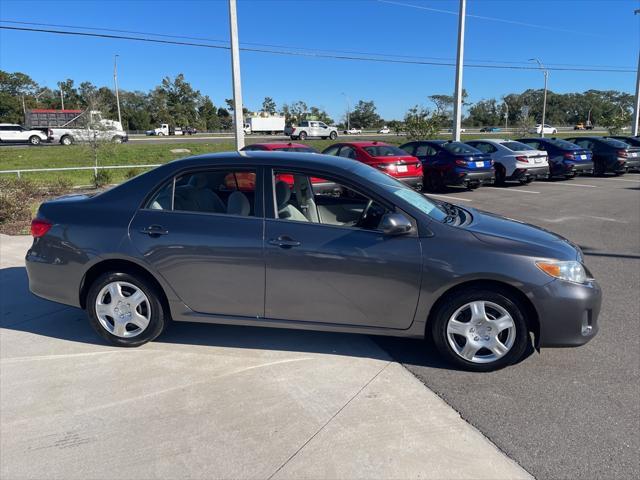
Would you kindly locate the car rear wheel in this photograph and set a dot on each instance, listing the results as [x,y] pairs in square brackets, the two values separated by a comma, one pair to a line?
[66,140]
[480,329]
[598,168]
[125,309]
[501,175]
[34,140]
[333,135]
[303,135]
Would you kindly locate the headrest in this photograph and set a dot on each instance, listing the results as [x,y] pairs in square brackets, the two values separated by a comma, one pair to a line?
[238,204]
[283,194]
[198,180]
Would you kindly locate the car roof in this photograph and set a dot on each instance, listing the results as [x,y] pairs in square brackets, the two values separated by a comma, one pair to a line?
[9,125]
[490,140]
[281,144]
[288,159]
[372,143]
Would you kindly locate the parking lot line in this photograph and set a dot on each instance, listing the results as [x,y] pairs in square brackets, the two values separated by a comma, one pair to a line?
[449,197]
[512,190]
[569,184]
[621,180]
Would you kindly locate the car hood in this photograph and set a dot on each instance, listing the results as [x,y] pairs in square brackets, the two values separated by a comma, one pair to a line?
[508,233]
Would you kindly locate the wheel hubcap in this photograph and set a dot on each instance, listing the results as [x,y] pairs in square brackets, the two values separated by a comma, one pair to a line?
[123,309]
[481,332]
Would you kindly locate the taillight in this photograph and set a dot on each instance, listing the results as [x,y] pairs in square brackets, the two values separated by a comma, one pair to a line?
[39,227]
[50,132]
[569,156]
[623,153]
[522,158]
[418,166]
[461,162]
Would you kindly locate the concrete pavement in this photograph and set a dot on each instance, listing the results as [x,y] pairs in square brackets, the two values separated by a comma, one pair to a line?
[206,401]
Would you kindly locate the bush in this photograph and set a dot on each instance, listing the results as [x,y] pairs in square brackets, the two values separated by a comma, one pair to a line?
[132,172]
[102,178]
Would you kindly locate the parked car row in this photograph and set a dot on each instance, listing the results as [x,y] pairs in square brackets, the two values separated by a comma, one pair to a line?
[434,164]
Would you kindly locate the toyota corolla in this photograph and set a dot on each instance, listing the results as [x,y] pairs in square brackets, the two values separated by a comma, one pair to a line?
[190,242]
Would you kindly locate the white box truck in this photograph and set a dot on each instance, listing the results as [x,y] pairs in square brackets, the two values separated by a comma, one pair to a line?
[272,125]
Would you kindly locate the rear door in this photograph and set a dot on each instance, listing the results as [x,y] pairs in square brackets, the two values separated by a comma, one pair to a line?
[203,233]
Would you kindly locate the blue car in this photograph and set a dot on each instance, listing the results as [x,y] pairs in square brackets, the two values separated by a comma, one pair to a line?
[451,163]
[566,159]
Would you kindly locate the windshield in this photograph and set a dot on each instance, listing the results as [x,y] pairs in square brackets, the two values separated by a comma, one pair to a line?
[562,144]
[399,190]
[517,146]
[295,149]
[385,151]
[460,148]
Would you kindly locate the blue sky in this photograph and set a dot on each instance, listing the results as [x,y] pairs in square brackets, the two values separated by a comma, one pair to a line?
[603,33]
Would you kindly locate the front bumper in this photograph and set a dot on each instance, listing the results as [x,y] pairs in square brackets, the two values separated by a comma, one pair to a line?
[567,313]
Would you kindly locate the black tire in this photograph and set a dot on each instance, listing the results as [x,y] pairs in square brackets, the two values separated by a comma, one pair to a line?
[432,181]
[302,136]
[526,181]
[158,316]
[323,138]
[333,135]
[453,302]
[598,168]
[66,140]
[473,185]
[34,140]
[501,175]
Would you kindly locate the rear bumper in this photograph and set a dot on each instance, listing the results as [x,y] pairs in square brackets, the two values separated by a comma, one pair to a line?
[464,177]
[570,168]
[633,164]
[567,312]
[414,182]
[533,172]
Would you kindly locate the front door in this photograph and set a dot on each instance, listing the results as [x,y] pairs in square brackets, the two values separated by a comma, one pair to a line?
[326,261]
[204,235]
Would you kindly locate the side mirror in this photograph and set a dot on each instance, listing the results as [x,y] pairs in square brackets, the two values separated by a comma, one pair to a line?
[395,224]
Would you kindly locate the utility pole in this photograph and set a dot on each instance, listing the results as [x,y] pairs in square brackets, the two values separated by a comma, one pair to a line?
[115,81]
[636,109]
[457,105]
[544,97]
[24,109]
[238,115]
[348,110]
[61,95]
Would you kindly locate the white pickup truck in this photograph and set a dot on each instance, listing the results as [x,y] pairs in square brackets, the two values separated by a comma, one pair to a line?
[88,126]
[311,129]
[165,129]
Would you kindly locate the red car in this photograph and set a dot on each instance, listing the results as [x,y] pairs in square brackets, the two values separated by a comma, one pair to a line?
[319,184]
[388,158]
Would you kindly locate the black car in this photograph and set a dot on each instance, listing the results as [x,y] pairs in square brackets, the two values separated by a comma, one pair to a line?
[566,159]
[451,163]
[609,154]
[633,141]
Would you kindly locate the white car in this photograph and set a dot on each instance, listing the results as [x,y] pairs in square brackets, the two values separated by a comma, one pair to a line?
[384,130]
[353,131]
[14,133]
[514,160]
[548,129]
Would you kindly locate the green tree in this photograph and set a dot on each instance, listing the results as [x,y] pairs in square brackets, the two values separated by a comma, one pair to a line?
[208,116]
[420,123]
[268,105]
[364,115]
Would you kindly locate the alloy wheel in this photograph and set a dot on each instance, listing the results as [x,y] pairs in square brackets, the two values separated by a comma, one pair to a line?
[123,309]
[481,332]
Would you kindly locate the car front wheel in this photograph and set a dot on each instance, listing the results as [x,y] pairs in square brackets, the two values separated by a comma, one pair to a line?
[125,310]
[333,135]
[480,330]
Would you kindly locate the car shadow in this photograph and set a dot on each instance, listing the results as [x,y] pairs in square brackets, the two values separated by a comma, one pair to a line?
[24,312]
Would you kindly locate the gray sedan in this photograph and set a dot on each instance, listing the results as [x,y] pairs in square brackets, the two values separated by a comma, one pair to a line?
[243,239]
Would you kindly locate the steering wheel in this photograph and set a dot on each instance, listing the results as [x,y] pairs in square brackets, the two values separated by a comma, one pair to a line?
[365,214]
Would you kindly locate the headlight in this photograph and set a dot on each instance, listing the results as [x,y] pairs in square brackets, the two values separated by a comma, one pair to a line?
[570,271]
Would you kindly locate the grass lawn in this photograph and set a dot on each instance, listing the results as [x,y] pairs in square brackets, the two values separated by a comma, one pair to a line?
[134,154]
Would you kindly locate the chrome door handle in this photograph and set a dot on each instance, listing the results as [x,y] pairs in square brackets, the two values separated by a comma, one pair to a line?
[284,242]
[154,230]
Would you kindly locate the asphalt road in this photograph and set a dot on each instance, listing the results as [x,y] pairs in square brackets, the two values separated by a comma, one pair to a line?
[563,413]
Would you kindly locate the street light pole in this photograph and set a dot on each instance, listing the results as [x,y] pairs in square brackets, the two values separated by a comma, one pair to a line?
[636,110]
[544,98]
[61,95]
[506,115]
[238,115]
[457,105]
[115,81]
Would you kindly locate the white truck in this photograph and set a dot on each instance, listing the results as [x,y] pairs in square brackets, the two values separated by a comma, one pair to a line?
[311,129]
[165,129]
[257,124]
[88,126]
